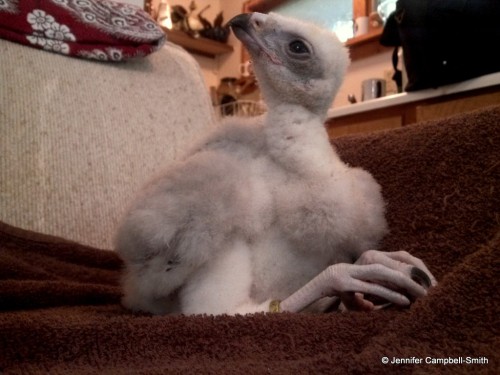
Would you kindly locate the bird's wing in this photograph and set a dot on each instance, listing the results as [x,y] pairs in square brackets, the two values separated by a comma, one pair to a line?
[179,223]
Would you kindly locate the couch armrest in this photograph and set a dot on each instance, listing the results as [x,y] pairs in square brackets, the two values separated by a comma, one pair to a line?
[78,138]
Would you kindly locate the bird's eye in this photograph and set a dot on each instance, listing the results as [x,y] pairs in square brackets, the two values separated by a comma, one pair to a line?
[298,47]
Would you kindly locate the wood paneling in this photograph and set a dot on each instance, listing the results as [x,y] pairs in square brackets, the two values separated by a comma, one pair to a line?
[359,8]
[335,130]
[454,106]
[409,113]
[262,6]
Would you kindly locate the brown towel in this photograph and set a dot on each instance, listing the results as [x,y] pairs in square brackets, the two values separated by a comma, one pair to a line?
[59,301]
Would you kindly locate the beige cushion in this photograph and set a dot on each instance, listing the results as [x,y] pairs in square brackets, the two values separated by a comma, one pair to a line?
[78,138]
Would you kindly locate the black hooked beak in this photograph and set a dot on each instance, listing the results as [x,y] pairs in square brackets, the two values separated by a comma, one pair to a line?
[246,28]
[241,21]
[243,30]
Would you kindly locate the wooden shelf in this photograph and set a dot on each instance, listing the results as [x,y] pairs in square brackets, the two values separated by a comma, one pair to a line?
[200,46]
[366,45]
[366,38]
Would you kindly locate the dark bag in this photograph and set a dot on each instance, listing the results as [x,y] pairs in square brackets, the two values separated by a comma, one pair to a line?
[445,41]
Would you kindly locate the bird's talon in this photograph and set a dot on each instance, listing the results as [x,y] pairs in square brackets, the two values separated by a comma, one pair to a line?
[420,277]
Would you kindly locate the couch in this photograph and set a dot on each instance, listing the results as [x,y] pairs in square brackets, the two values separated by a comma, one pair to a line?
[77,139]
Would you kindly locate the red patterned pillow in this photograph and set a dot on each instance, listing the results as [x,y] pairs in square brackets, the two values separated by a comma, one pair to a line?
[94,29]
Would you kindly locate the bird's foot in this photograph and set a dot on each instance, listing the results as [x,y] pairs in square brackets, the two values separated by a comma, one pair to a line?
[396,278]
[400,261]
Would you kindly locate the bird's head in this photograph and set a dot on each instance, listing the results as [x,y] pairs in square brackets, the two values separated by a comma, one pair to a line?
[295,62]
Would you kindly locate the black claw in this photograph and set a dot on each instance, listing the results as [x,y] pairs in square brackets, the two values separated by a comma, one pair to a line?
[420,277]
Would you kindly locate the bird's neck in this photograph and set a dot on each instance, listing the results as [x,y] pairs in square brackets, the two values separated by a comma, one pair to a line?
[298,140]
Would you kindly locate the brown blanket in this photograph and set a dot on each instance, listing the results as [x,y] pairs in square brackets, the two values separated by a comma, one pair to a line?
[59,301]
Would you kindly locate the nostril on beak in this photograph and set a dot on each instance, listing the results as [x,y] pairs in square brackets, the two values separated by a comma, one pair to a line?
[258,20]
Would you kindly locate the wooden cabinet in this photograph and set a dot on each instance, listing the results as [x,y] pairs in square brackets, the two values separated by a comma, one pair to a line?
[396,116]
[363,124]
[458,104]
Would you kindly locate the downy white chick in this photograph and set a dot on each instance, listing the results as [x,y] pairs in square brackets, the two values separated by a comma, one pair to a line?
[263,214]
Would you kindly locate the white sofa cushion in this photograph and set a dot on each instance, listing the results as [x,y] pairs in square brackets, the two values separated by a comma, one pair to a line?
[78,138]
